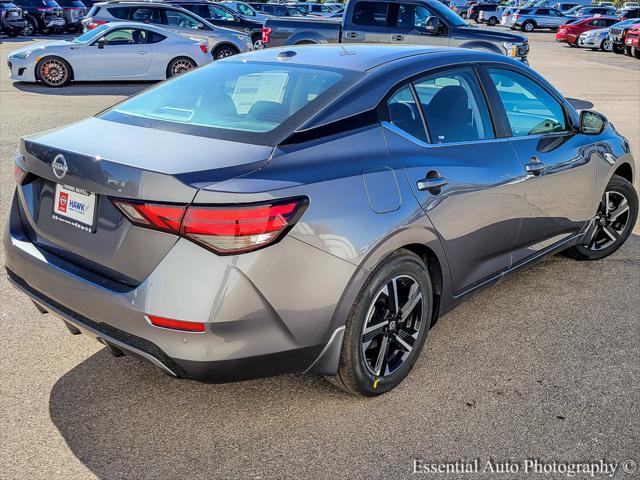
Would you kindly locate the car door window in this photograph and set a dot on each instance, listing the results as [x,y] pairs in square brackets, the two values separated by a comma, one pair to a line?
[125,36]
[542,11]
[405,114]
[181,20]
[412,17]
[154,37]
[245,10]
[530,109]
[146,15]
[218,13]
[371,14]
[454,107]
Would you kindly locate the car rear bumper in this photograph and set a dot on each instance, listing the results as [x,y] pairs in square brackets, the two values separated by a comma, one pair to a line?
[254,327]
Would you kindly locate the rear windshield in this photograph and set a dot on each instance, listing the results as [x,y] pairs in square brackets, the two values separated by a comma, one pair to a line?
[259,103]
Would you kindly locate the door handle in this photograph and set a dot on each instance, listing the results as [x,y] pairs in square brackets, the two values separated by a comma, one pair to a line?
[535,166]
[352,35]
[397,37]
[433,182]
[141,52]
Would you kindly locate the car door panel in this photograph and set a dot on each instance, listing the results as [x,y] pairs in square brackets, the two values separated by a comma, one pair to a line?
[117,61]
[408,22]
[560,164]
[368,24]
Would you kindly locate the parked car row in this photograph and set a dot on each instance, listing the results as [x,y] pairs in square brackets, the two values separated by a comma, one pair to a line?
[621,37]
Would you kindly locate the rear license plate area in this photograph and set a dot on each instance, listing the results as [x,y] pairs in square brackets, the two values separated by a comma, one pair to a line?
[75,207]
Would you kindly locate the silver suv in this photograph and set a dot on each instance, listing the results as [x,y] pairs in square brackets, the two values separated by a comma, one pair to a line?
[528,19]
[222,42]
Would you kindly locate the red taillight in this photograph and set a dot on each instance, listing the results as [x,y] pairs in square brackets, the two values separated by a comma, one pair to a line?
[266,34]
[176,324]
[229,230]
[223,229]
[203,48]
[166,218]
[95,23]
[19,174]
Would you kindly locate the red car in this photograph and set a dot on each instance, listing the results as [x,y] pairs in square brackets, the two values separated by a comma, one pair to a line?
[632,41]
[570,31]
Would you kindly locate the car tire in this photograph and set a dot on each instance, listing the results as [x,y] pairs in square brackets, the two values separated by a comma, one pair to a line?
[54,72]
[463,15]
[627,51]
[606,45]
[223,51]
[14,32]
[617,49]
[636,52]
[492,22]
[31,28]
[364,368]
[257,41]
[180,65]
[528,26]
[605,233]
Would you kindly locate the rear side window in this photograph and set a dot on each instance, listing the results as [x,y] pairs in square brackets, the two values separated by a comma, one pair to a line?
[118,12]
[542,11]
[524,11]
[146,15]
[154,37]
[454,107]
[531,110]
[371,14]
[405,114]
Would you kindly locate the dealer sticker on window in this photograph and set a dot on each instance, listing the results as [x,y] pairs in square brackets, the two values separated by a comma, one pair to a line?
[75,207]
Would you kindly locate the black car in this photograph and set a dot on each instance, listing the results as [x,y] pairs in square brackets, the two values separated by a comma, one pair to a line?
[74,12]
[41,16]
[475,9]
[223,16]
[11,21]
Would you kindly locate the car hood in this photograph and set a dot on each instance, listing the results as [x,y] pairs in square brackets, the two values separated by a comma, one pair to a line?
[491,35]
[42,46]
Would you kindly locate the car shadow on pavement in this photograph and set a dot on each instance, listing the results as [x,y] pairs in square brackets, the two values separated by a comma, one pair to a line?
[86,88]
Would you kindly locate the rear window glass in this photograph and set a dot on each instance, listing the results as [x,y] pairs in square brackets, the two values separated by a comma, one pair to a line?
[524,11]
[119,12]
[227,98]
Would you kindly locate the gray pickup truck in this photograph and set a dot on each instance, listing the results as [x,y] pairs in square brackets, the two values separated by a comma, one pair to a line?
[422,22]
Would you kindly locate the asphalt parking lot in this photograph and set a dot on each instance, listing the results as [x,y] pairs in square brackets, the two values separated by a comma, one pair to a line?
[543,365]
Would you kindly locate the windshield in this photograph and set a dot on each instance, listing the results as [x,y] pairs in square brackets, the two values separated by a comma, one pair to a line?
[89,35]
[226,99]
[451,16]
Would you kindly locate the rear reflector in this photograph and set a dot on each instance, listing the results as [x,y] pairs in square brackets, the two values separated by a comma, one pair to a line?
[225,230]
[176,324]
[19,174]
[266,34]
[203,48]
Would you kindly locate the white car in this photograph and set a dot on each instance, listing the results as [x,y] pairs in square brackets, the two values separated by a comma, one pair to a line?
[113,51]
[594,39]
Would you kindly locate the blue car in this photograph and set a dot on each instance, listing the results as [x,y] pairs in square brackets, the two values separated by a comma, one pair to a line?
[309,209]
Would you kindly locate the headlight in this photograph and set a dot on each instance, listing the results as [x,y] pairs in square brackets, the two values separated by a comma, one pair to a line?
[511,48]
[21,55]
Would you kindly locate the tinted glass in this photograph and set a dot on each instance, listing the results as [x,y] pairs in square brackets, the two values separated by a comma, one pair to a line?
[181,20]
[412,17]
[371,13]
[404,114]
[454,107]
[125,36]
[246,10]
[531,110]
[154,37]
[51,3]
[119,12]
[146,15]
[243,97]
[542,11]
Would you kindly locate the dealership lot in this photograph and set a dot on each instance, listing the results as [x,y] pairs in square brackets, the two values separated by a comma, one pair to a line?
[543,365]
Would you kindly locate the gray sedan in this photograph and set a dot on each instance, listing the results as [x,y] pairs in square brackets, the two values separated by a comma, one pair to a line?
[309,209]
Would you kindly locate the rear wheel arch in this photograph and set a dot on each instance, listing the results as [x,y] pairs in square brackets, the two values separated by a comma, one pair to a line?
[222,46]
[179,57]
[486,46]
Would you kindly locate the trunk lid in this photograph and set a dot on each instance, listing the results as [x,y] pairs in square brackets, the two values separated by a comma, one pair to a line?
[112,160]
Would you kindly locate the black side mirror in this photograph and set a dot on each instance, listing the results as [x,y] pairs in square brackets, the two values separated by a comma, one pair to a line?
[101,42]
[592,123]
[432,25]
